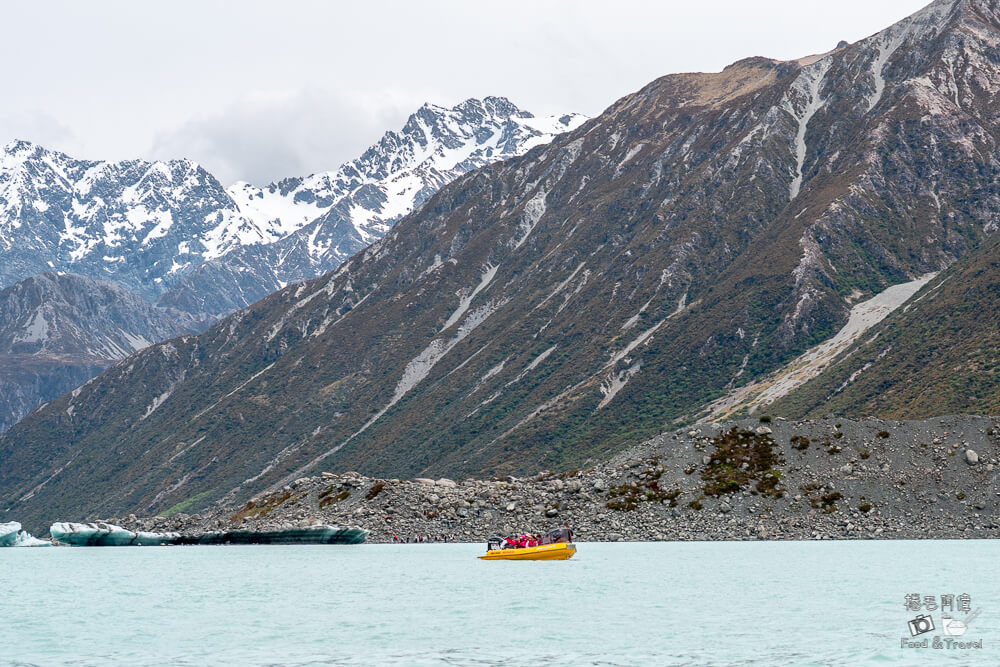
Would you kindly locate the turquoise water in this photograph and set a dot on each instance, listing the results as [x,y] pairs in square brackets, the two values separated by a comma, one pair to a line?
[741,603]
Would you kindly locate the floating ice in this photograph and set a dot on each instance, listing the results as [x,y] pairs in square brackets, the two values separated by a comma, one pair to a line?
[25,539]
[11,535]
[102,534]
[8,533]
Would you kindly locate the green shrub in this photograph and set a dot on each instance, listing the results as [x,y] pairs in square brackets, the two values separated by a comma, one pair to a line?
[740,456]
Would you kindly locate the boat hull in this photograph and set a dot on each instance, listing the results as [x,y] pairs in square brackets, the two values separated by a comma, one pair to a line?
[558,551]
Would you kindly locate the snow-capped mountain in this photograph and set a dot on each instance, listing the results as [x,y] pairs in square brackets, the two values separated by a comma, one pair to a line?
[436,145]
[139,224]
[327,217]
[146,225]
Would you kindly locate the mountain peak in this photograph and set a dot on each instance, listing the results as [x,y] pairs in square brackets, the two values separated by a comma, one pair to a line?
[19,146]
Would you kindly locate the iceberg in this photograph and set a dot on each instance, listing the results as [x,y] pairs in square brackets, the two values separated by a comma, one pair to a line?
[26,539]
[320,534]
[102,534]
[8,533]
[11,535]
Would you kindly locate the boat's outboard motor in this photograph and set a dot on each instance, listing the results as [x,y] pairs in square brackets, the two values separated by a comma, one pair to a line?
[559,535]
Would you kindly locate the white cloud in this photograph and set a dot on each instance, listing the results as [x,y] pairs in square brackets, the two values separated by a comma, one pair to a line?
[37,127]
[272,134]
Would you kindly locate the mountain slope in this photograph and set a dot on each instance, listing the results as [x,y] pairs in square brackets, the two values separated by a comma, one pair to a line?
[554,307]
[937,355]
[58,331]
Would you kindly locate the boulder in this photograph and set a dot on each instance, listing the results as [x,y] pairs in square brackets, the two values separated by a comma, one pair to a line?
[971,457]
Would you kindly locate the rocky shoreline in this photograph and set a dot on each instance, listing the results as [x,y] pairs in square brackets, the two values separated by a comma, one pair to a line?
[748,480]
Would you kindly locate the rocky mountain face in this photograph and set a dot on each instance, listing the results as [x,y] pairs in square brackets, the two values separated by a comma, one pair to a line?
[149,226]
[58,331]
[561,305]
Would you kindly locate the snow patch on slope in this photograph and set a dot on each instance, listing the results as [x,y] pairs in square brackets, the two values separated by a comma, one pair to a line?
[157,402]
[886,48]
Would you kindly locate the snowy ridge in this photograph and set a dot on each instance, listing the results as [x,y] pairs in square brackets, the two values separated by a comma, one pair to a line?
[87,217]
[151,226]
[403,169]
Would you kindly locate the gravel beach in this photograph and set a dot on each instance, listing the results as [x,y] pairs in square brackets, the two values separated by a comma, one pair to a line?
[746,480]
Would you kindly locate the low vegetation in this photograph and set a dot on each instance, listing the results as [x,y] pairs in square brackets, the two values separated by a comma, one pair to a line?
[742,456]
[626,497]
[259,509]
[328,497]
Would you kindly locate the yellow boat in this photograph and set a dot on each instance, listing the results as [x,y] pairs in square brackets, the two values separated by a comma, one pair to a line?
[558,551]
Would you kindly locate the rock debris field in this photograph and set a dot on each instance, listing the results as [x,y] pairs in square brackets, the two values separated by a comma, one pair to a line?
[752,479]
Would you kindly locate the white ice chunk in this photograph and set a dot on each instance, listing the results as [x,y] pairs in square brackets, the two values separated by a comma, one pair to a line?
[8,533]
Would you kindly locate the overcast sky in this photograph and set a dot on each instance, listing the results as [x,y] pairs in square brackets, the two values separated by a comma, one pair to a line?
[261,90]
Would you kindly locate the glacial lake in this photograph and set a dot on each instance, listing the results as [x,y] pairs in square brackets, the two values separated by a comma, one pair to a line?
[739,603]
